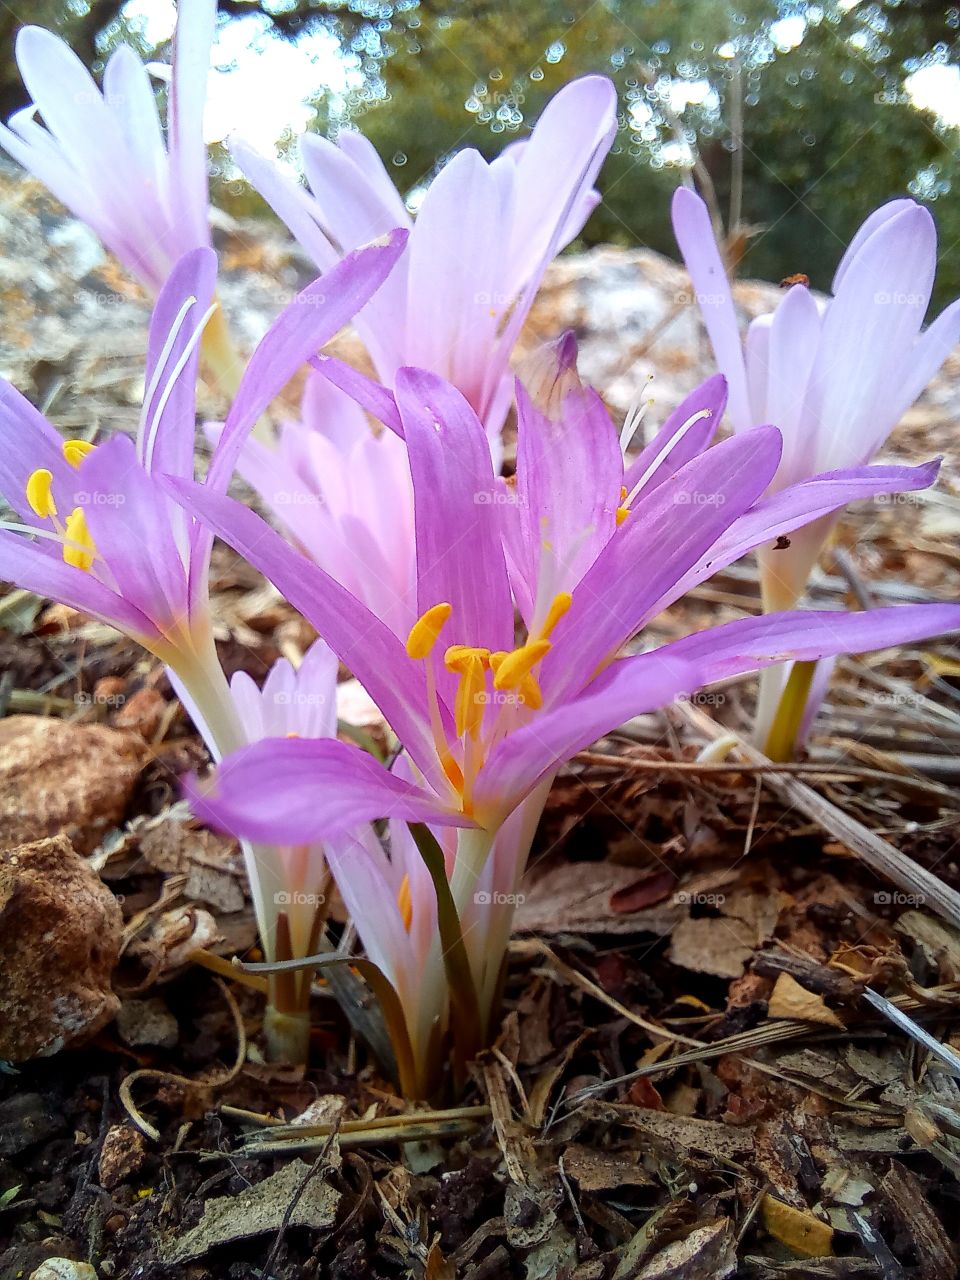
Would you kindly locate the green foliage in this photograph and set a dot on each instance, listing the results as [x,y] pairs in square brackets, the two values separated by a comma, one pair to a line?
[828,132]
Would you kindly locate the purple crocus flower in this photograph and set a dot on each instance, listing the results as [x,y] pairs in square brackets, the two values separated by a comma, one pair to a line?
[103,154]
[837,377]
[483,237]
[95,528]
[487,720]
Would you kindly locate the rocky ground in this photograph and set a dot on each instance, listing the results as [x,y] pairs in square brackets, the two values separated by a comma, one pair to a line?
[689,1083]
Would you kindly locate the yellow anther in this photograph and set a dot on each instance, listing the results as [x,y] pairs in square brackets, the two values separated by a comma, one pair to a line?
[78,548]
[471,693]
[560,605]
[461,656]
[405,903]
[426,631]
[39,495]
[512,669]
[76,450]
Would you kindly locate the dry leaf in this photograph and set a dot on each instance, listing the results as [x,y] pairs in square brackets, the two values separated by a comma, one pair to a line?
[789,1000]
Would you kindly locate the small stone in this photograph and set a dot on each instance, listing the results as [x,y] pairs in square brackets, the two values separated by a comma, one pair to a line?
[60,777]
[121,1156]
[147,1022]
[142,712]
[60,931]
[63,1269]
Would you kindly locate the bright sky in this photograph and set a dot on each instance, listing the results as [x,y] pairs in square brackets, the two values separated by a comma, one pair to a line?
[260,84]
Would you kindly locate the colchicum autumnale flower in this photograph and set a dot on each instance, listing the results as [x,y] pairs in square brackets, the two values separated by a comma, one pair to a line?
[589,552]
[96,530]
[483,236]
[103,153]
[834,376]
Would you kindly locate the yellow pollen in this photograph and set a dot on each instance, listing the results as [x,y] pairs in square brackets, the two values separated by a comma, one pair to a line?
[39,495]
[426,631]
[76,450]
[405,903]
[560,605]
[511,670]
[76,532]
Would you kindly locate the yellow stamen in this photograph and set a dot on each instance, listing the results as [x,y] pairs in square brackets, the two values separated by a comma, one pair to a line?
[81,555]
[471,693]
[39,495]
[511,671]
[622,511]
[426,631]
[560,605]
[76,450]
[405,903]
[461,656]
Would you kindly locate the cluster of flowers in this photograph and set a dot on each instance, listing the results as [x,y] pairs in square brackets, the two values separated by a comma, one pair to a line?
[488,618]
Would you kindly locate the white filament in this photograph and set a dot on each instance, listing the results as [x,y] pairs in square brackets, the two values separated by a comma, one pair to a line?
[667,448]
[172,382]
[161,365]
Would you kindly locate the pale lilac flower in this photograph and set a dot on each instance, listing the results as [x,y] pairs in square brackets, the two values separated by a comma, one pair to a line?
[486,721]
[103,153]
[483,236]
[343,495]
[836,377]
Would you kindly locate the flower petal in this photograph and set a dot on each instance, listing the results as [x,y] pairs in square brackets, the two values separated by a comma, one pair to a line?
[694,233]
[297,790]
[361,641]
[459,552]
[665,534]
[310,320]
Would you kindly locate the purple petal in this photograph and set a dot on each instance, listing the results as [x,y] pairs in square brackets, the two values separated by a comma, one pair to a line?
[297,790]
[663,537]
[289,201]
[793,508]
[28,442]
[312,319]
[866,229]
[537,749]
[193,41]
[361,641]
[868,331]
[569,471]
[804,635]
[459,552]
[366,392]
[130,518]
[32,567]
[167,439]
[694,232]
[792,349]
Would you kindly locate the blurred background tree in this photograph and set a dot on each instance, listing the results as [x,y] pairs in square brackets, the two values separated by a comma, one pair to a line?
[801,115]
